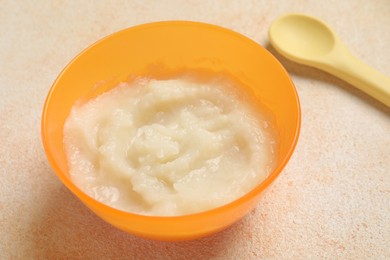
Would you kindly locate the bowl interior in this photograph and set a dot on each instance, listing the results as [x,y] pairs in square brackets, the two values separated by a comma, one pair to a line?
[159,50]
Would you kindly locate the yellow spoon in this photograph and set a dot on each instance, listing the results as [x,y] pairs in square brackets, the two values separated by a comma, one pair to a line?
[309,41]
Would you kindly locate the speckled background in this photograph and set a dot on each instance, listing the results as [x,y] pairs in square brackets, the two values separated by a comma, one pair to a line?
[332,201]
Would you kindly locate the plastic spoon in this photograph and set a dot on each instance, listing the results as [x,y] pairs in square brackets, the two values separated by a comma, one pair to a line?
[310,41]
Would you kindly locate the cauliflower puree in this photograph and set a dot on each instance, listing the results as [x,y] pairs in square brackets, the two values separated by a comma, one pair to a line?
[168,147]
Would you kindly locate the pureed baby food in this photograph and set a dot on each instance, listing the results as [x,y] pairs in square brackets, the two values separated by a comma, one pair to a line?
[169,147]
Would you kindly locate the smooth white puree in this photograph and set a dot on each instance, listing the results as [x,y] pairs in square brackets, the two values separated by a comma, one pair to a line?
[168,147]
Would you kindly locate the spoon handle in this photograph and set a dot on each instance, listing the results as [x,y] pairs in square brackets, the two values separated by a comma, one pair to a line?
[349,68]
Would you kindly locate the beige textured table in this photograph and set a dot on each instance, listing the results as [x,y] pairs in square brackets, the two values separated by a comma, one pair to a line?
[332,201]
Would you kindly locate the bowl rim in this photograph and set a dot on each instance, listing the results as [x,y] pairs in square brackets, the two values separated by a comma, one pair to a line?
[203,214]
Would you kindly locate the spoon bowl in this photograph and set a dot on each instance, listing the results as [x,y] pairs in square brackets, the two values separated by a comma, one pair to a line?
[308,40]
[302,37]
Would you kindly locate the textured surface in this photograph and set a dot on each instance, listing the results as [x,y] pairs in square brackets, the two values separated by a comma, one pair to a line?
[331,201]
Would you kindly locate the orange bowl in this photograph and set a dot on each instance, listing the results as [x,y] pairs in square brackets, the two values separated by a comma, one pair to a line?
[162,48]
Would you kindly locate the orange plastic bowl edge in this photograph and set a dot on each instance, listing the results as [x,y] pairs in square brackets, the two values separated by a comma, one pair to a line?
[188,226]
